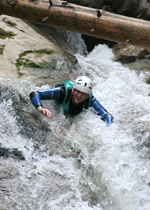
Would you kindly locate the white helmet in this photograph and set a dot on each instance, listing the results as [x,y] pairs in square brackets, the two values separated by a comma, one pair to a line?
[83,84]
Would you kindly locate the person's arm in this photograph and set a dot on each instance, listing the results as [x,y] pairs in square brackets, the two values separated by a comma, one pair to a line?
[52,94]
[105,115]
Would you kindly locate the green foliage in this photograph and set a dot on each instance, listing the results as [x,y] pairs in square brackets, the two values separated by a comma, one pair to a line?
[6,34]
[9,23]
[27,63]
[43,51]
[2,49]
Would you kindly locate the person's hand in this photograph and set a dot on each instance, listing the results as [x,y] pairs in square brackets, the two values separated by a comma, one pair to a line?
[108,118]
[45,112]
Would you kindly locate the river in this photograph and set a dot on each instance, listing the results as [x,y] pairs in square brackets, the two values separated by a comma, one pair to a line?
[78,164]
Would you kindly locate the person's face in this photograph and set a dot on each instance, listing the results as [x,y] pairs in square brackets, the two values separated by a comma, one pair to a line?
[79,97]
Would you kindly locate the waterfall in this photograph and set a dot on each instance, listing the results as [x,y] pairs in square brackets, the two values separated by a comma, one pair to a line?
[53,164]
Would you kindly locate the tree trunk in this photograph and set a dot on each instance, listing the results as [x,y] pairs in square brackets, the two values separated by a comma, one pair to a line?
[84,20]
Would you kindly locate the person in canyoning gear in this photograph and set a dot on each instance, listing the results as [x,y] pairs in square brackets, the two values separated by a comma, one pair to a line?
[73,97]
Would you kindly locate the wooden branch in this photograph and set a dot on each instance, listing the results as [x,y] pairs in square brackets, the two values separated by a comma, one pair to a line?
[84,20]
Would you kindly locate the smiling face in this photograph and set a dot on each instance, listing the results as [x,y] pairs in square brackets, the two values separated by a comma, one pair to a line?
[79,97]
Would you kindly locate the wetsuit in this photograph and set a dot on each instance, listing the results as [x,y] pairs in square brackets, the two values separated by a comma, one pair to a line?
[63,95]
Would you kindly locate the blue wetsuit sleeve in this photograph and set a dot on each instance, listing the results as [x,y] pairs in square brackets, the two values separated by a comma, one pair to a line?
[52,94]
[105,115]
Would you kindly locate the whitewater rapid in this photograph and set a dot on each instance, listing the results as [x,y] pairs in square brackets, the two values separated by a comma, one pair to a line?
[119,156]
[111,170]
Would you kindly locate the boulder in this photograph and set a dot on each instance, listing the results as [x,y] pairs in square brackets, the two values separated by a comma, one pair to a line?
[27,53]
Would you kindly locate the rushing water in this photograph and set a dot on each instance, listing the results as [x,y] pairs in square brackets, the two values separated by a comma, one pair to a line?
[79,164]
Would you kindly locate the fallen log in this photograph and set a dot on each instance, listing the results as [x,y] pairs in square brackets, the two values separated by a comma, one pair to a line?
[84,20]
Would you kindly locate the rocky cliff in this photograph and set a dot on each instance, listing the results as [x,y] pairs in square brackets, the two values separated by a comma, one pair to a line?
[27,53]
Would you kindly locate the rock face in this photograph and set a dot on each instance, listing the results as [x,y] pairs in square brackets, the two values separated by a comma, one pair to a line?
[126,53]
[88,3]
[144,9]
[13,153]
[26,53]
[122,7]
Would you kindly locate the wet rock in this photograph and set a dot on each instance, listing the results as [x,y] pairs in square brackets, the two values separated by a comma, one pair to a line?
[148,82]
[28,126]
[126,53]
[126,59]
[88,3]
[122,7]
[144,9]
[11,153]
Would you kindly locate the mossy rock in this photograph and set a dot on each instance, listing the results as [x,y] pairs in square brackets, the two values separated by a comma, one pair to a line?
[148,81]
[37,52]
[25,60]
[6,34]
[9,23]
[41,52]
[22,61]
[2,49]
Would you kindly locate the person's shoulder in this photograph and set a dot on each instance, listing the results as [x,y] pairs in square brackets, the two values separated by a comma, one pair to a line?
[68,84]
[92,97]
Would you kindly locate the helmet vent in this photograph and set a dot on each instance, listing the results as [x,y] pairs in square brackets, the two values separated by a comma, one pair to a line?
[85,84]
